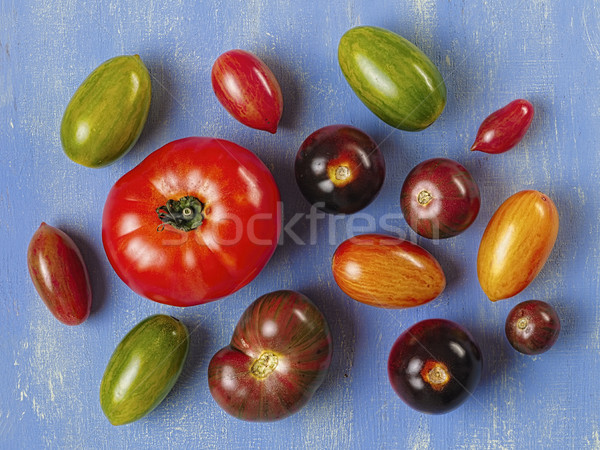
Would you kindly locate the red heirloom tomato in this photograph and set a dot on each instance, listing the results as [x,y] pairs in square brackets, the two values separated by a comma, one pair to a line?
[247,88]
[278,357]
[434,366]
[59,275]
[439,198]
[503,129]
[339,169]
[195,221]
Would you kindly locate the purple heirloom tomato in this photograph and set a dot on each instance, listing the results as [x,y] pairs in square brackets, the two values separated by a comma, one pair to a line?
[278,357]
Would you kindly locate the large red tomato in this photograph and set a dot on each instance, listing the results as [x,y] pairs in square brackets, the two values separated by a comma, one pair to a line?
[195,221]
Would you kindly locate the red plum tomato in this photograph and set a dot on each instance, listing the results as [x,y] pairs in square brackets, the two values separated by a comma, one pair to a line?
[195,221]
[248,90]
[503,129]
[278,357]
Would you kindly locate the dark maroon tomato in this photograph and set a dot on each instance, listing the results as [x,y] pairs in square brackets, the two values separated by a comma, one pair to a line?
[278,356]
[503,129]
[532,327]
[339,169]
[439,198]
[434,366]
[59,275]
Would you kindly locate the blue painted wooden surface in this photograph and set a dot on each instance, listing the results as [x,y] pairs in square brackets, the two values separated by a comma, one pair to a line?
[489,53]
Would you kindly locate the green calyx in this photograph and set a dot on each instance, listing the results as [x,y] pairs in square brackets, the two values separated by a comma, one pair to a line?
[184,214]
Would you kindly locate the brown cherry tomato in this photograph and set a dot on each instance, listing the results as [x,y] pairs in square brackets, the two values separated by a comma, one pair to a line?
[248,90]
[516,244]
[503,129]
[387,272]
[59,275]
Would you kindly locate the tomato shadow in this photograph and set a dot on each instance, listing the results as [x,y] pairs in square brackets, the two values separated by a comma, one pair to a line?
[290,89]
[193,375]
[343,328]
[456,269]
[95,263]
[161,106]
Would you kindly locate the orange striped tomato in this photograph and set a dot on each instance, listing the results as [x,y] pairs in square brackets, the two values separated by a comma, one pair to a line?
[516,244]
[387,272]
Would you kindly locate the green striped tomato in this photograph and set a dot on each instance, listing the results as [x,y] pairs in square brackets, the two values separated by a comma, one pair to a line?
[143,368]
[107,113]
[392,77]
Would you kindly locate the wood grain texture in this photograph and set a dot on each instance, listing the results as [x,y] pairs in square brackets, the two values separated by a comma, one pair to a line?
[488,53]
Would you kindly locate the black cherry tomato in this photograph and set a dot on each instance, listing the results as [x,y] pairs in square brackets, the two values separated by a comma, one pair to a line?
[339,169]
[434,366]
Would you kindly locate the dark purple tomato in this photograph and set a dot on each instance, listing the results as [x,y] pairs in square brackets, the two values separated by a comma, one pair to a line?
[439,198]
[434,366]
[532,327]
[278,357]
[339,169]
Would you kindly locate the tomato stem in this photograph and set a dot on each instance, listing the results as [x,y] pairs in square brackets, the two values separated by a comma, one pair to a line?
[424,198]
[264,365]
[184,214]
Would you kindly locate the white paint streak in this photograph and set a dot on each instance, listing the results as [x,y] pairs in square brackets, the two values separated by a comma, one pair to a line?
[420,439]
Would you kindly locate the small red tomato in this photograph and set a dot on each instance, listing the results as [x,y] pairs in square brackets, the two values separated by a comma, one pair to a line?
[247,88]
[339,169]
[434,366]
[59,275]
[503,129]
[278,357]
[532,327]
[387,272]
[439,198]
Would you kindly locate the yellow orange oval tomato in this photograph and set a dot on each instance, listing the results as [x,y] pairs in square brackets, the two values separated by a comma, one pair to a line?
[387,272]
[516,244]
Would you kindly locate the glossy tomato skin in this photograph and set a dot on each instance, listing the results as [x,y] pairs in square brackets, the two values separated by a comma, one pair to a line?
[387,272]
[278,357]
[143,368]
[248,90]
[516,244]
[339,169]
[434,366]
[59,275]
[503,129]
[107,113]
[392,77]
[439,198]
[236,232]
[532,327]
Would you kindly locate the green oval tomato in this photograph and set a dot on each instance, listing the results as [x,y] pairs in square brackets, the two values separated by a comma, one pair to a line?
[143,368]
[392,77]
[105,117]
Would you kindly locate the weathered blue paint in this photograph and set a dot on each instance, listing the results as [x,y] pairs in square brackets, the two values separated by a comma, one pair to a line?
[489,54]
